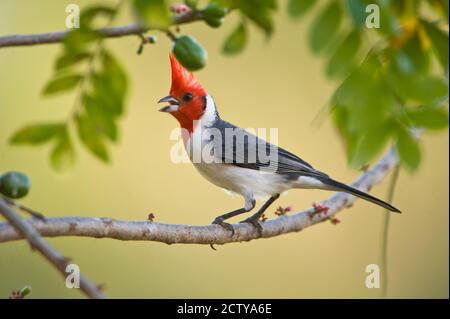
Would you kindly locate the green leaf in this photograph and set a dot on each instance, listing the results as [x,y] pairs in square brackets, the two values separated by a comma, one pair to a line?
[343,59]
[189,53]
[69,59]
[423,89]
[429,117]
[104,120]
[358,12]
[408,149]
[14,184]
[325,27]
[404,63]
[360,92]
[259,12]
[110,85]
[153,13]
[340,116]
[62,84]
[439,39]
[370,145]
[91,136]
[36,134]
[114,71]
[90,13]
[413,59]
[297,8]
[62,155]
[236,41]
[78,39]
[109,100]
[365,105]
[441,7]
[389,22]
[445,9]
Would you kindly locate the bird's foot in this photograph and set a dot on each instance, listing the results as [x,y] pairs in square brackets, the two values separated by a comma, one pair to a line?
[226,226]
[255,223]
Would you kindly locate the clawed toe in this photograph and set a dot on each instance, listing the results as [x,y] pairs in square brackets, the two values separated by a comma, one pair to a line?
[255,223]
[224,225]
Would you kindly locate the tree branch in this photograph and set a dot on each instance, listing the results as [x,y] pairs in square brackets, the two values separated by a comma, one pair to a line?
[212,234]
[26,230]
[111,32]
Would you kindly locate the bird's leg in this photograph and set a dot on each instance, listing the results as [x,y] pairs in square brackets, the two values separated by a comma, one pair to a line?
[254,219]
[220,220]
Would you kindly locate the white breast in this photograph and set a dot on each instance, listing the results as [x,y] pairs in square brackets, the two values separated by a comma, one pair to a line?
[243,181]
[230,177]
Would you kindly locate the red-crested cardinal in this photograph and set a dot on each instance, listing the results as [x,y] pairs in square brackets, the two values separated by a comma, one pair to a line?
[236,160]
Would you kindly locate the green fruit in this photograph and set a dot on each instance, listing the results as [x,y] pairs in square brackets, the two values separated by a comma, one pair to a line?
[213,10]
[189,53]
[14,185]
[214,22]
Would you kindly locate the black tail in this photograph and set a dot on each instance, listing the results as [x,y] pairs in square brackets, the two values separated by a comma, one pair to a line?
[348,189]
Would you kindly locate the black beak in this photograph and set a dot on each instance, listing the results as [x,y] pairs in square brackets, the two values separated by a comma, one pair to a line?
[173,104]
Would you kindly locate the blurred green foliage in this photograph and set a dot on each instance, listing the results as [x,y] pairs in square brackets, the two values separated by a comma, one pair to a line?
[153,14]
[101,84]
[236,41]
[393,78]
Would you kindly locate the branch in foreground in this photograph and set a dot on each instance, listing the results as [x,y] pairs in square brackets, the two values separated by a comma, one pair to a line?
[26,230]
[112,32]
[212,234]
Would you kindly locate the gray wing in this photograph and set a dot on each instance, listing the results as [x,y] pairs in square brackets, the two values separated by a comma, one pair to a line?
[246,150]
[288,164]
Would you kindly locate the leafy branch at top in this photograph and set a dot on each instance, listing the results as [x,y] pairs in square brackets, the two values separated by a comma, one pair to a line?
[394,77]
[100,81]
[87,66]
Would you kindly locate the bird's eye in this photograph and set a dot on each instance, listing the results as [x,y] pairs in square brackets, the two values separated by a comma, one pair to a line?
[187,97]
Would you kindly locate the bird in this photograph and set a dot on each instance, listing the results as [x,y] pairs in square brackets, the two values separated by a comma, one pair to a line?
[240,164]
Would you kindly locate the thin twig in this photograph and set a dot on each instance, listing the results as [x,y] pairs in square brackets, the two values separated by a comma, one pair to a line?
[385,232]
[171,35]
[25,209]
[111,32]
[211,234]
[25,229]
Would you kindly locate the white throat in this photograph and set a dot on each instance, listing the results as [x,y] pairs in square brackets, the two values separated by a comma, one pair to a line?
[210,115]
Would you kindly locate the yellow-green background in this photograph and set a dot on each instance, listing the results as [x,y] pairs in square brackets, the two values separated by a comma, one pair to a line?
[276,83]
